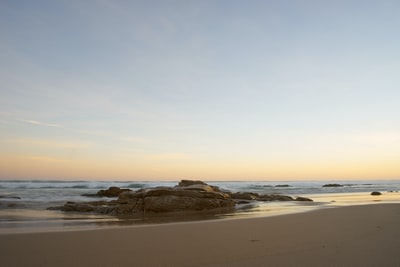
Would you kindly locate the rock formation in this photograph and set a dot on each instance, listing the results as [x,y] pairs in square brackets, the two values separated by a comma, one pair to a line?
[188,195]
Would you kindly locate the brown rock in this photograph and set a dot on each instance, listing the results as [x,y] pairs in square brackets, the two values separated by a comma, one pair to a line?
[131,195]
[113,191]
[244,195]
[275,198]
[171,203]
[187,196]
[184,193]
[303,199]
[79,207]
[131,207]
[197,187]
[194,184]
[190,182]
[167,200]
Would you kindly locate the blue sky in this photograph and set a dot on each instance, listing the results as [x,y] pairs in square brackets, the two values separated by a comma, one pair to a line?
[199,89]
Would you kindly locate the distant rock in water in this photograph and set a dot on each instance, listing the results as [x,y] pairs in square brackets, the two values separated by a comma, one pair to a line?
[376,193]
[184,183]
[282,185]
[112,191]
[188,195]
[10,197]
[332,185]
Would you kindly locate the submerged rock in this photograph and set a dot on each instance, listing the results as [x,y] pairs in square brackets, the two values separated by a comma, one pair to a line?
[303,199]
[282,185]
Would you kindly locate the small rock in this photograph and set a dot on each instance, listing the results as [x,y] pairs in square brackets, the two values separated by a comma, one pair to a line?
[332,185]
[185,183]
[303,199]
[282,198]
[376,193]
[244,195]
[275,198]
[10,197]
[112,191]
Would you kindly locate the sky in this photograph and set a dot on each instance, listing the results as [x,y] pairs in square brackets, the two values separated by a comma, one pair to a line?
[211,90]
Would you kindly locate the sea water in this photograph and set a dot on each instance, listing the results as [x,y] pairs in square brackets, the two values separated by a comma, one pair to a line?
[24,203]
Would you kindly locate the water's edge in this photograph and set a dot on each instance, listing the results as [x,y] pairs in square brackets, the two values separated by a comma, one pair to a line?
[24,203]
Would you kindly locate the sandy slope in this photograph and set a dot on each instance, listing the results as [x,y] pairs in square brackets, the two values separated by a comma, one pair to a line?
[348,236]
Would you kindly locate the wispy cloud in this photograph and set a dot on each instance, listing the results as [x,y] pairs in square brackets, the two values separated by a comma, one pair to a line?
[39,123]
[46,159]
[49,144]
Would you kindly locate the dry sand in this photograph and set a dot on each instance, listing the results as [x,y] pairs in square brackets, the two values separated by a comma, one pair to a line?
[366,235]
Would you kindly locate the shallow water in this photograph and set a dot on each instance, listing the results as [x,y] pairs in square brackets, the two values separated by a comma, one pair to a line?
[23,203]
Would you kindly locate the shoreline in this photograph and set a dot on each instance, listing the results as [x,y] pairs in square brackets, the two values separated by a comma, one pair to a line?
[31,221]
[365,235]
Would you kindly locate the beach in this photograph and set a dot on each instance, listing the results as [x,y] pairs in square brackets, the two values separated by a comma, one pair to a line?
[363,235]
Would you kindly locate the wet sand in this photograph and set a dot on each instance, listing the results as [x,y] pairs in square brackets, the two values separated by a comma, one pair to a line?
[367,235]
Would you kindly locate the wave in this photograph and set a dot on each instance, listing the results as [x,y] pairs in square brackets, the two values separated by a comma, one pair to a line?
[137,186]
[80,186]
[261,187]
[42,194]
[42,184]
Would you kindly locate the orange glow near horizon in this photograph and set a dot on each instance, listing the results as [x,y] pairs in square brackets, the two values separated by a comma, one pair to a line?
[18,167]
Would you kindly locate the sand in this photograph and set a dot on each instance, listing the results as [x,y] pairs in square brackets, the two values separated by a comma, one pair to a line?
[367,235]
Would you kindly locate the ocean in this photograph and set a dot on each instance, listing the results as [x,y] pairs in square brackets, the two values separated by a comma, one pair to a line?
[24,203]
